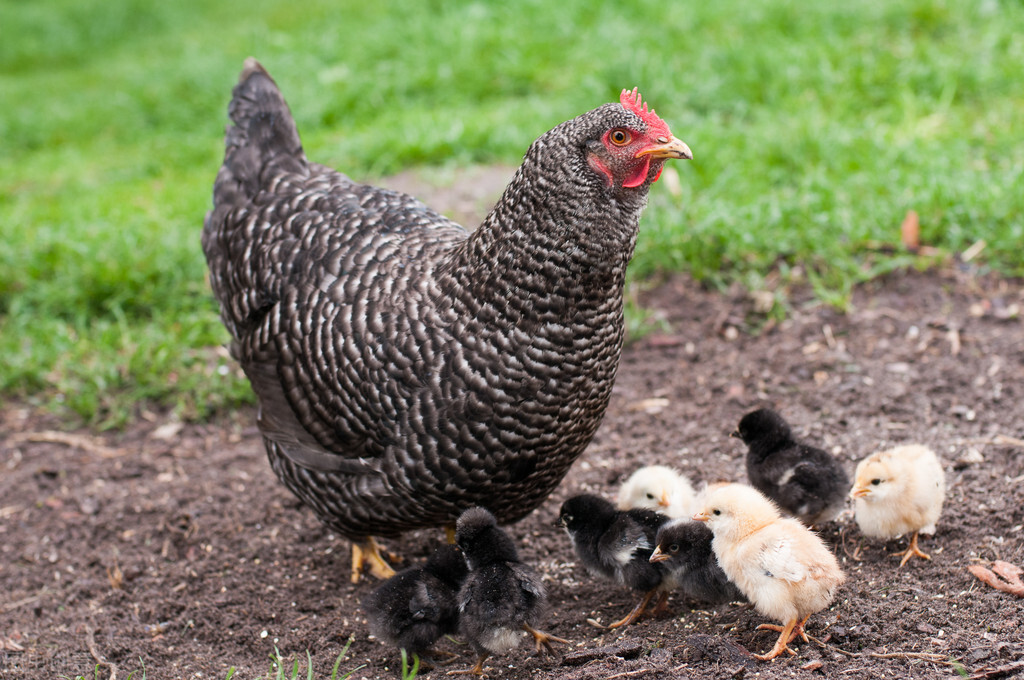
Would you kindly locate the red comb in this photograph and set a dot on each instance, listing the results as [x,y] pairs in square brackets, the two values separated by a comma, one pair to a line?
[632,102]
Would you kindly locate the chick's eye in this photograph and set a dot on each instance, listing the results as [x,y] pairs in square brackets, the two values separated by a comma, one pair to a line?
[674,547]
[650,496]
[876,482]
[620,137]
[716,512]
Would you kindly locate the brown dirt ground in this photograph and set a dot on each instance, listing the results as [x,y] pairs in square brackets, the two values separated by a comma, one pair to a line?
[173,545]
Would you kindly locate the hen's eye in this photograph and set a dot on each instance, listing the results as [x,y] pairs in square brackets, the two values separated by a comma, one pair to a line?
[620,137]
[876,482]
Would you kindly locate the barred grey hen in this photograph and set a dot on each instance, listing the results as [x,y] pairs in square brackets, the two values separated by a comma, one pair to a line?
[405,368]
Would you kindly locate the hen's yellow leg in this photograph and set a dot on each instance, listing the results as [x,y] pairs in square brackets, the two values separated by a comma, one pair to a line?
[367,553]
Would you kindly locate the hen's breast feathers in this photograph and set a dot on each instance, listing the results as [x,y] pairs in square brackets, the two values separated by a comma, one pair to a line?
[357,308]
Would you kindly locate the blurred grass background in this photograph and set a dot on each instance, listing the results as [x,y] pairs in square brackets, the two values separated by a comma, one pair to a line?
[816,127]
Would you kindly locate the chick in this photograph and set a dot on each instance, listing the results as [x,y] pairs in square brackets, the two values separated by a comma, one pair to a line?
[415,607]
[782,567]
[804,481]
[501,596]
[660,488]
[898,491]
[617,544]
[684,547]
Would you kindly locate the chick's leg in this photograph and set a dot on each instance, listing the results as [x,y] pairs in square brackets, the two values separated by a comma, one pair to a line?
[912,551]
[368,553]
[637,611]
[786,635]
[543,640]
[478,669]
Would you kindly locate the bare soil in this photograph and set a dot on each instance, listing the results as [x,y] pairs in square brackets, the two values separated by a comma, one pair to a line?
[173,546]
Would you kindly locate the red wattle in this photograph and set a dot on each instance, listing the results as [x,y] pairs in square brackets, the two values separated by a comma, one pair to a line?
[639,175]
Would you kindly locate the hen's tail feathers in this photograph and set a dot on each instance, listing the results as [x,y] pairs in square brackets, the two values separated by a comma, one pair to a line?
[263,135]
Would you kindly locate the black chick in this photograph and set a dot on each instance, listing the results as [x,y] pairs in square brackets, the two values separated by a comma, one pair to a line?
[415,607]
[501,596]
[617,544]
[684,548]
[803,480]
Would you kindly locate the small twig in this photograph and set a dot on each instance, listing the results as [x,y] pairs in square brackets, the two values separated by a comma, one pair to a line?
[1000,671]
[90,642]
[11,606]
[923,656]
[87,444]
[973,251]
[856,551]
[997,440]
[953,336]
[825,645]
[628,674]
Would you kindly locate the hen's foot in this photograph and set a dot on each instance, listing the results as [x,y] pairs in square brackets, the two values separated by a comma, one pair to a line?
[367,553]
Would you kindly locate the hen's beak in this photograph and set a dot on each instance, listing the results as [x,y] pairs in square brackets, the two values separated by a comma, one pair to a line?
[658,556]
[702,516]
[860,492]
[667,148]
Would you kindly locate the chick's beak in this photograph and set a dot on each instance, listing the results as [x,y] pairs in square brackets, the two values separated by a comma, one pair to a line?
[860,492]
[702,516]
[665,501]
[667,148]
[658,556]
[735,433]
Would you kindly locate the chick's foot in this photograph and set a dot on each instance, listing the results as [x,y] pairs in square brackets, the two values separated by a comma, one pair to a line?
[787,634]
[477,670]
[912,551]
[635,614]
[543,640]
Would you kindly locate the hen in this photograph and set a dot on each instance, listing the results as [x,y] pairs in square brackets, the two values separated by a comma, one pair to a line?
[405,368]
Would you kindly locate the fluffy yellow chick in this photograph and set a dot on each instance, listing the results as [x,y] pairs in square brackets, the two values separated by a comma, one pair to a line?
[658,488]
[899,491]
[782,567]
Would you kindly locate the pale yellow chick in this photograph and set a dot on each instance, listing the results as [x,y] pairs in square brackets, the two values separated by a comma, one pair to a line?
[658,488]
[783,568]
[899,491]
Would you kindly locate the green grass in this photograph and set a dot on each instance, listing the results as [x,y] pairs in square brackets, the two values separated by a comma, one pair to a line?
[815,126]
[279,668]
